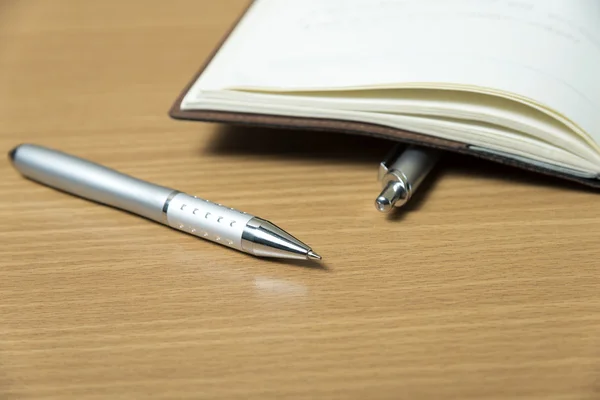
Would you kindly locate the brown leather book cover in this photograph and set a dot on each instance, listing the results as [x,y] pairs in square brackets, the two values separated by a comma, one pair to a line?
[349,127]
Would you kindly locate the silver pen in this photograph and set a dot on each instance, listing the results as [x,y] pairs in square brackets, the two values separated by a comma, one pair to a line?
[202,218]
[401,174]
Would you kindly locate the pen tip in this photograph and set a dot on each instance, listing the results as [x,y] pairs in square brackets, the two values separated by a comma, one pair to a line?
[314,256]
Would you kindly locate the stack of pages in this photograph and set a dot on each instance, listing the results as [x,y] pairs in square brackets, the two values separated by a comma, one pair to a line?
[514,81]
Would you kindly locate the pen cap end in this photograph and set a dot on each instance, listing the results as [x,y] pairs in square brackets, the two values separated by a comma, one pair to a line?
[393,195]
[383,204]
[13,153]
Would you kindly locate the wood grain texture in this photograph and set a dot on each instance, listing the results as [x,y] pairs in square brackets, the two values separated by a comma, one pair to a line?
[486,287]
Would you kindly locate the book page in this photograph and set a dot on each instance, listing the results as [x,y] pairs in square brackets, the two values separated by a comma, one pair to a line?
[545,50]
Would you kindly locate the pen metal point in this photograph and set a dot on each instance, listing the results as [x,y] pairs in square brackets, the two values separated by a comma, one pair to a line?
[314,256]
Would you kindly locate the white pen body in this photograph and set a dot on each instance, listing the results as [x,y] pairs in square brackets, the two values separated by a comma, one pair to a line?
[86,179]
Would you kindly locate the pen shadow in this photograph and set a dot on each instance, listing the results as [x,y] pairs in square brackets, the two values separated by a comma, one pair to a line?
[284,144]
[313,265]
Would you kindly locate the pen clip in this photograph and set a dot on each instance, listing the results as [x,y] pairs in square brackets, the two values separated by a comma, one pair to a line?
[389,159]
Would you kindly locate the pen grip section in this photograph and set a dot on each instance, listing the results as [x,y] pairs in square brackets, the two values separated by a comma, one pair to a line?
[207,220]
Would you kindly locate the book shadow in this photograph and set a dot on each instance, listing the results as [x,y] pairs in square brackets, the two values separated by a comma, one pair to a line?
[284,144]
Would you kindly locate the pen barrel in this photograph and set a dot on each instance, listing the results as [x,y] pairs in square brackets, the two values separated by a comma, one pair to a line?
[415,164]
[91,181]
[207,220]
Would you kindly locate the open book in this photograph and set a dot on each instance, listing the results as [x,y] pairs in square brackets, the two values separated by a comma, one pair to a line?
[515,81]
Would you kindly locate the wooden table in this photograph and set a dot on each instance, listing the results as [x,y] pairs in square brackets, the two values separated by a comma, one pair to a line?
[487,287]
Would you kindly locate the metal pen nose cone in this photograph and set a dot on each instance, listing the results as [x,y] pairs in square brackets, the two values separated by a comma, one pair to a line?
[383,204]
[314,256]
[394,193]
